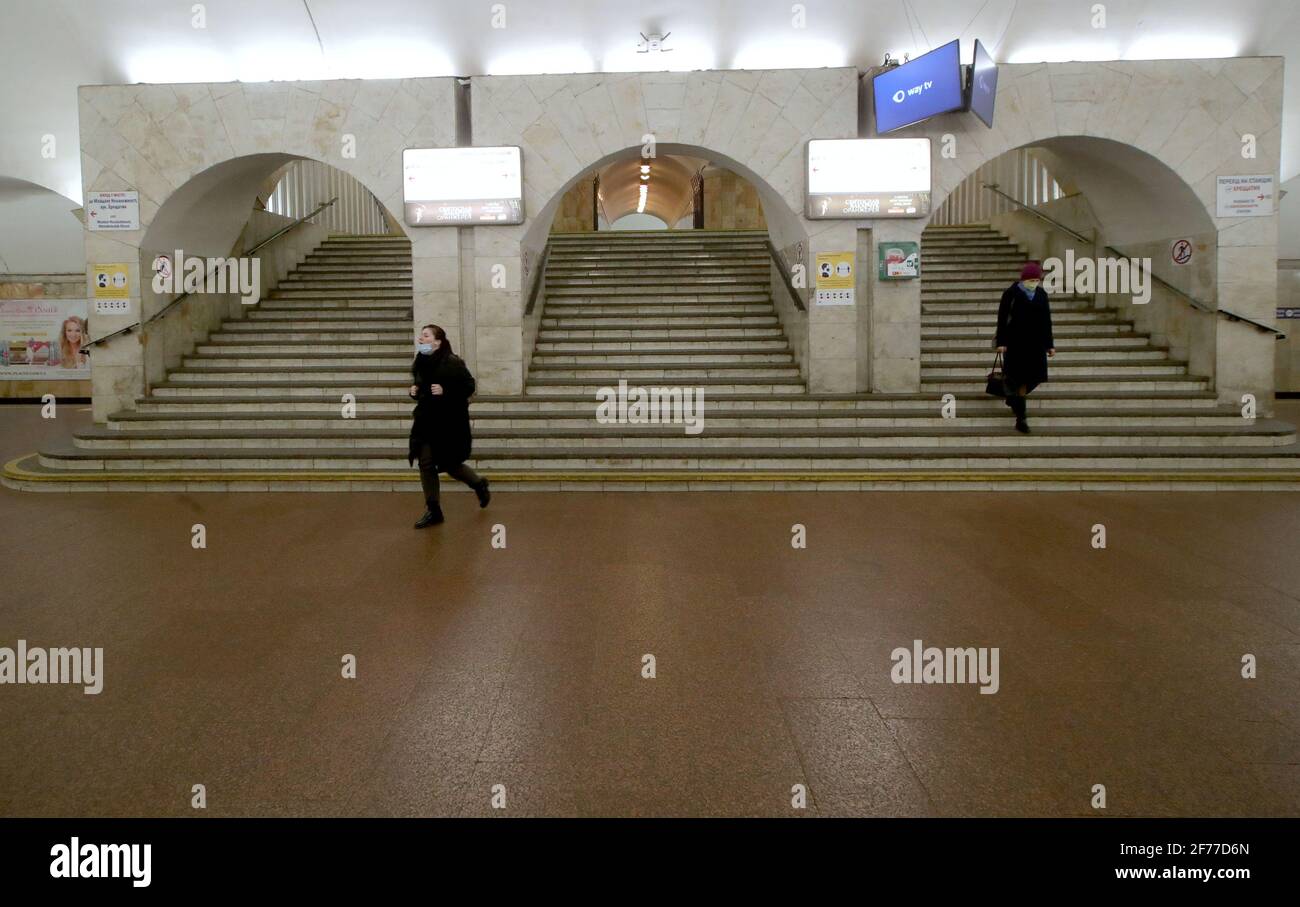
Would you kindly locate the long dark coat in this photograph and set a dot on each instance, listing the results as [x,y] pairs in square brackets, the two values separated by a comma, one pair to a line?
[442,421]
[1025,329]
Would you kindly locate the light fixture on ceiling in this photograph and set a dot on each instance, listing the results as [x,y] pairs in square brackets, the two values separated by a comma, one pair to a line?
[650,44]
[1066,52]
[1182,47]
[640,205]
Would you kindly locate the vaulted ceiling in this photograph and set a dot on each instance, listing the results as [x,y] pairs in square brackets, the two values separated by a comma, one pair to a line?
[49,47]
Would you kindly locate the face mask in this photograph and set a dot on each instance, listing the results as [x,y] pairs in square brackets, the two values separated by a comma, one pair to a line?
[425,348]
[1029,285]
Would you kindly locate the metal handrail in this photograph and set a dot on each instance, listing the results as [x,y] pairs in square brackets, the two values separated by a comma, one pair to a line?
[537,278]
[1187,297]
[993,187]
[786,277]
[168,307]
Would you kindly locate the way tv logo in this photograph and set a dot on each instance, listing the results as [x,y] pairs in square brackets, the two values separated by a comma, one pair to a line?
[191,274]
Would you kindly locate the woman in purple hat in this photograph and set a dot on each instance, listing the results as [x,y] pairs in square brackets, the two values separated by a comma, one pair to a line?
[1024,338]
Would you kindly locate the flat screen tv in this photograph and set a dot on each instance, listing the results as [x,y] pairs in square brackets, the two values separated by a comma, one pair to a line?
[449,187]
[868,178]
[919,89]
[983,85]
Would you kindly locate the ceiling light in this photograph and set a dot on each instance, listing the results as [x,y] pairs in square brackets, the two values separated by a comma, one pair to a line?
[1181,47]
[558,59]
[1091,51]
[777,54]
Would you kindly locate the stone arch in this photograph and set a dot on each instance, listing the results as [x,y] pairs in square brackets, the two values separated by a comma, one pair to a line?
[783,221]
[156,139]
[1135,205]
[1187,116]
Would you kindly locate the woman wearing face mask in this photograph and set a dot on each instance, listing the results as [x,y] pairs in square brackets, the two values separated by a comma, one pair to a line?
[440,436]
[1024,338]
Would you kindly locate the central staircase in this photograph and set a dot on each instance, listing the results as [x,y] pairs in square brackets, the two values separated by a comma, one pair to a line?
[259,405]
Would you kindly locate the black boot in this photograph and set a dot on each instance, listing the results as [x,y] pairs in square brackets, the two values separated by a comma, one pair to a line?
[1017,404]
[481,490]
[432,517]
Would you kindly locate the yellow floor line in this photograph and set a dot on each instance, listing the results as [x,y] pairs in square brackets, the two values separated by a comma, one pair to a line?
[14,470]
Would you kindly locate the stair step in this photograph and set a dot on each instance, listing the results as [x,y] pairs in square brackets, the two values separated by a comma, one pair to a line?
[1013,456]
[979,414]
[675,435]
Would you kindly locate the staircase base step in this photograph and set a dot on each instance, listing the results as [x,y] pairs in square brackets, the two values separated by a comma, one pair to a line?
[26,474]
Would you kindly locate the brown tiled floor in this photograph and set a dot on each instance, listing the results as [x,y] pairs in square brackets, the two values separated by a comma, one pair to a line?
[522,666]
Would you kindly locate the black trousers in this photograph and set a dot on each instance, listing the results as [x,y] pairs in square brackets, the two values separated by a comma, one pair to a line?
[1016,400]
[429,476]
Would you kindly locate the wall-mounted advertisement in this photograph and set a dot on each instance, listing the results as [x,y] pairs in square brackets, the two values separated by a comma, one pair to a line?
[866,178]
[983,89]
[43,339]
[922,88]
[458,187]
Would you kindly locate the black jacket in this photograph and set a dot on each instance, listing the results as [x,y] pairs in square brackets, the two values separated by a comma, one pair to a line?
[441,421]
[1025,329]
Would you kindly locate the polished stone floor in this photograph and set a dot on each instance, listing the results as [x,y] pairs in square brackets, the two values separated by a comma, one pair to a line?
[522,666]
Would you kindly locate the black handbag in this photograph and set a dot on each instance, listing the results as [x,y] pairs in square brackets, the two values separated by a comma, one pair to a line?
[996,385]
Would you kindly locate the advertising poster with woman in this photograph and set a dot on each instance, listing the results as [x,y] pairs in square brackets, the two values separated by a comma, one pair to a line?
[43,339]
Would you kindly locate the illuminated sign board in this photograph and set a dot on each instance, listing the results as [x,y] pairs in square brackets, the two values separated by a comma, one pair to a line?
[458,187]
[922,88]
[866,178]
[983,85]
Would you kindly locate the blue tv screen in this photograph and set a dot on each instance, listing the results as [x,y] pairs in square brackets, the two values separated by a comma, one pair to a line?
[983,85]
[919,89]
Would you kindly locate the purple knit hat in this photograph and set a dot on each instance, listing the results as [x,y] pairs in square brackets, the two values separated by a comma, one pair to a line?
[1031,271]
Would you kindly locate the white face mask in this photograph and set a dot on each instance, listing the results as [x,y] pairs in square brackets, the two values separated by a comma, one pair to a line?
[425,348]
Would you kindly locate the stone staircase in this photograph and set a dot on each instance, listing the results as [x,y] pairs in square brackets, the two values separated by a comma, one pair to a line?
[258,406]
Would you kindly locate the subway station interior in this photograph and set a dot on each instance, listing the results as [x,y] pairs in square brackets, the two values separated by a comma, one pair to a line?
[608,409]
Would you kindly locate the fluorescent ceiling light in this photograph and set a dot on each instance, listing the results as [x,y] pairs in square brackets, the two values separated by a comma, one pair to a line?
[542,60]
[684,54]
[168,65]
[777,54]
[389,58]
[1090,51]
[276,63]
[1184,47]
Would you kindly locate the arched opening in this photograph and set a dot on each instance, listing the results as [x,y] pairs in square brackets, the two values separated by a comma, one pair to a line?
[39,231]
[1082,197]
[690,189]
[230,209]
[666,192]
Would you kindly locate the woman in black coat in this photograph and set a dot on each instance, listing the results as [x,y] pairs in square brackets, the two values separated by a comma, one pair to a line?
[440,435]
[1024,338]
